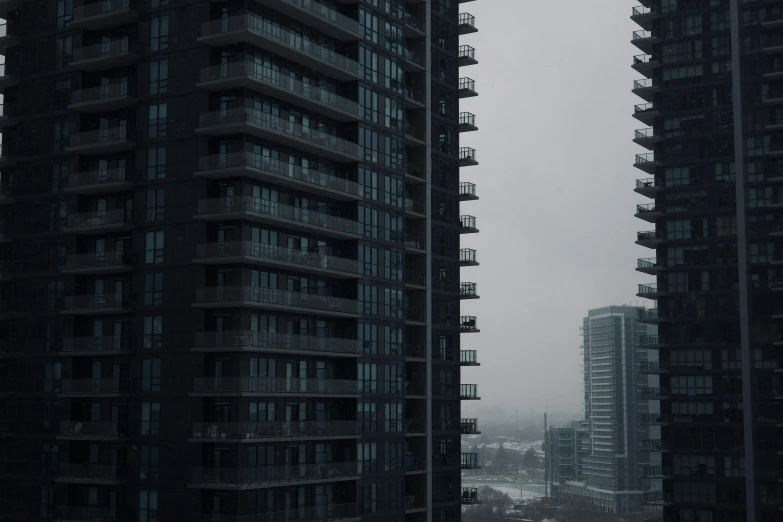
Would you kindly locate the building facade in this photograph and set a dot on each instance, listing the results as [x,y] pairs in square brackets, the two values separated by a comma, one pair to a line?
[230,249]
[564,454]
[711,74]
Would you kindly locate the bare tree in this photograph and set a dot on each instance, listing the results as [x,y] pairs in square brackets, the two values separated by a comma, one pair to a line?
[494,506]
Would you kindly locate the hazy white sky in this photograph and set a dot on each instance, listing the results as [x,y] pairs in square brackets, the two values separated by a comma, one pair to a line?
[556,185]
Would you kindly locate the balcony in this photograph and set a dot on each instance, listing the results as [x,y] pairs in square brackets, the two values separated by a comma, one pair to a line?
[467,324]
[414,99]
[264,431]
[649,238]
[101,304]
[272,299]
[245,120]
[265,211]
[87,430]
[468,392]
[466,24]
[469,427]
[467,157]
[7,78]
[645,89]
[467,191]
[771,43]
[258,32]
[7,40]
[108,55]
[93,387]
[468,291]
[92,345]
[645,64]
[5,119]
[649,316]
[469,461]
[415,243]
[648,291]
[414,26]
[647,187]
[242,478]
[98,263]
[253,76]
[415,208]
[414,317]
[645,40]
[255,386]
[91,473]
[466,55]
[647,162]
[469,496]
[646,113]
[414,174]
[467,257]
[651,342]
[268,255]
[415,280]
[414,60]
[325,513]
[468,358]
[646,138]
[649,266]
[104,98]
[101,141]
[86,514]
[99,182]
[651,445]
[466,88]
[467,225]
[252,341]
[648,212]
[320,16]
[467,122]
[99,222]
[103,14]
[10,5]
[648,392]
[413,136]
[262,168]
[649,367]
[6,196]
[644,16]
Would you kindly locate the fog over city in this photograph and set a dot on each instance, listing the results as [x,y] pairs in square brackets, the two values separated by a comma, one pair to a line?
[556,186]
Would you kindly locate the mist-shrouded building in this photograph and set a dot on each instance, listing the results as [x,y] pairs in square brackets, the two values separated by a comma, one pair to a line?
[610,476]
[230,260]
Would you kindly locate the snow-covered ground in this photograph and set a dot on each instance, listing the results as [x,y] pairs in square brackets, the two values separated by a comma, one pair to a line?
[521,447]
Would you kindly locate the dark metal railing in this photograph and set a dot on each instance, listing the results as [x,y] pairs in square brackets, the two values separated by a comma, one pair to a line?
[98,218]
[467,323]
[102,50]
[466,51]
[252,339]
[95,301]
[467,255]
[99,8]
[248,384]
[466,19]
[100,93]
[97,260]
[467,83]
[96,177]
[272,296]
[271,430]
[468,356]
[325,513]
[259,250]
[273,474]
[114,343]
[467,189]
[90,429]
[466,153]
[468,391]
[467,222]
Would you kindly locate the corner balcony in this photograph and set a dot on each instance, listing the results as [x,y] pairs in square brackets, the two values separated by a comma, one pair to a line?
[651,342]
[264,211]
[466,88]
[414,60]
[466,55]
[469,392]
[320,16]
[260,386]
[7,40]
[104,98]
[469,497]
[101,141]
[644,16]
[466,24]
[7,78]
[414,26]
[101,304]
[245,120]
[647,162]
[98,263]
[645,64]
[773,96]
[469,461]
[93,387]
[469,427]
[103,14]
[89,430]
[98,222]
[247,478]
[99,182]
[413,99]
[649,238]
[92,345]
[467,157]
[645,89]
[415,280]
[109,55]
[467,257]
[231,252]
[98,474]
[258,32]
[647,187]
[414,317]
[468,291]
[252,341]
[467,324]
[648,212]
[415,243]
[646,138]
[468,358]
[645,40]
[648,291]
[467,191]
[771,44]
[325,513]
[649,316]
[413,136]
[414,174]
[264,431]
[254,76]
[649,266]
[5,119]
[467,225]
[649,367]
[271,299]
[467,122]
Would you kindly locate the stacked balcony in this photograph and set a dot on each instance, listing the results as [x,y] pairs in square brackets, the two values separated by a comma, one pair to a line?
[7,38]
[99,182]
[103,98]
[101,141]
[466,55]
[105,55]
[271,342]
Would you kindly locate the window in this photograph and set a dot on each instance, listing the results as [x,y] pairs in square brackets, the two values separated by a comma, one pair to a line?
[368,219]
[367,417]
[691,385]
[368,64]
[62,133]
[368,299]
[150,418]
[153,332]
[64,13]
[153,289]
[369,102]
[369,183]
[150,375]
[692,465]
[394,192]
[149,460]
[153,247]
[148,506]
[368,261]
[156,204]
[368,377]
[159,76]
[370,24]
[366,457]
[157,124]
[368,335]
[393,377]
[727,225]
[156,163]
[159,33]
[159,3]
[63,51]
[394,417]
[368,144]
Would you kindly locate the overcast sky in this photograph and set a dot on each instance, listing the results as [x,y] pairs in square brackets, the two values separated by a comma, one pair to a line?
[556,185]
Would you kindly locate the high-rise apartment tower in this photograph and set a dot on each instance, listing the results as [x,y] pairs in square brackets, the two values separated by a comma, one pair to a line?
[230,245]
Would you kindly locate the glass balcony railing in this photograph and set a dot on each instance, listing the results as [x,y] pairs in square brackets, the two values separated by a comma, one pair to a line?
[467,223]
[467,154]
[100,7]
[93,386]
[268,296]
[248,339]
[649,340]
[326,13]
[467,84]
[101,218]
[640,10]
[249,384]
[647,289]
[469,461]
[468,290]
[645,209]
[467,119]
[101,93]
[414,56]
[415,241]
[466,52]
[467,323]
[96,178]
[466,19]
[467,189]
[641,134]
[468,357]
[114,343]
[274,474]
[90,429]
[86,514]
[109,472]
[648,183]
[99,137]
[641,35]
[97,260]
[650,263]
[644,83]
[273,430]
[95,302]
[325,513]
[118,47]
[468,426]
[467,255]
[469,496]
